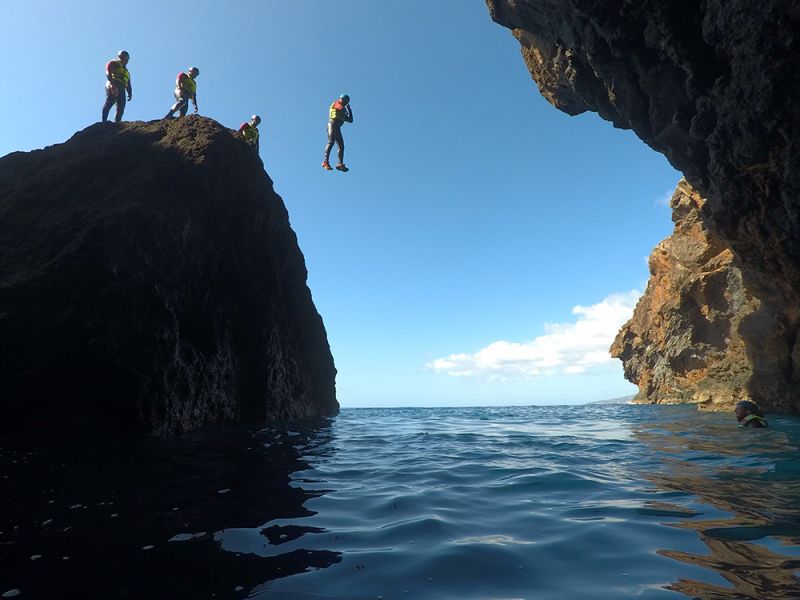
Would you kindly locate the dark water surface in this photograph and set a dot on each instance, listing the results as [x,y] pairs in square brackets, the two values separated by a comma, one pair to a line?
[562,503]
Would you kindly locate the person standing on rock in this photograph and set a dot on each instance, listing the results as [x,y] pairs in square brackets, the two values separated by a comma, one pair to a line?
[249,132]
[749,414]
[185,90]
[118,85]
[340,112]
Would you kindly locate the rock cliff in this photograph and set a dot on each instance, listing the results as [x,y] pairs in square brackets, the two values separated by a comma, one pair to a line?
[713,86]
[702,311]
[150,282]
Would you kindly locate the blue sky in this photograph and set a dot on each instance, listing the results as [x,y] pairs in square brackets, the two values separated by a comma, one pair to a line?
[448,264]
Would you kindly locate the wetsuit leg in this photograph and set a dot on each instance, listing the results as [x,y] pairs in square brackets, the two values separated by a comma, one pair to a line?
[332,130]
[181,104]
[121,99]
[340,143]
[110,100]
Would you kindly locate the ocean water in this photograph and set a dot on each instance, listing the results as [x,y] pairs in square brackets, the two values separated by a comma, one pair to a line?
[563,503]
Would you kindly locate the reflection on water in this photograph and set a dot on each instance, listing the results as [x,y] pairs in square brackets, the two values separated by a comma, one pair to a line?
[753,571]
[561,503]
[751,475]
[147,520]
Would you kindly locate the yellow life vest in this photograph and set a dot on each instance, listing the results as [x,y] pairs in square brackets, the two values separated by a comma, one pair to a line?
[187,84]
[337,114]
[752,417]
[119,73]
[250,133]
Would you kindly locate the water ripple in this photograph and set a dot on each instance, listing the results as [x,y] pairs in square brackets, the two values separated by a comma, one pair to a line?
[594,502]
[555,503]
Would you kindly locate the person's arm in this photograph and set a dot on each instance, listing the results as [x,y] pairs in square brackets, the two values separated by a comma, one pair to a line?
[130,90]
[348,114]
[194,101]
[109,74]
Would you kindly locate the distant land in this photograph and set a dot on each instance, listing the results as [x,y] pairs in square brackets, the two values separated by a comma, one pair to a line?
[620,400]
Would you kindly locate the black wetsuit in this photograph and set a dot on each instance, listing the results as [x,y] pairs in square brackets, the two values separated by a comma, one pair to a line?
[119,83]
[114,95]
[339,113]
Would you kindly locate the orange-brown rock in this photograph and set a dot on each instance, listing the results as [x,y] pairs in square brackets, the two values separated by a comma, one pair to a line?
[707,329]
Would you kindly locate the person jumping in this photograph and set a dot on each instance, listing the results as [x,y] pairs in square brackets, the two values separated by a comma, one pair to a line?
[185,90]
[118,84]
[340,112]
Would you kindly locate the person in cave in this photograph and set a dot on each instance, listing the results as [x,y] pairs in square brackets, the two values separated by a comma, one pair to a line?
[749,414]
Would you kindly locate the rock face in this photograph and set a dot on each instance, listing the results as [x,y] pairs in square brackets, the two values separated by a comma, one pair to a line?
[703,309]
[150,283]
[714,86]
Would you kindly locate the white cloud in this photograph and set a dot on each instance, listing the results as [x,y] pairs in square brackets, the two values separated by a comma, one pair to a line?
[664,199]
[565,348]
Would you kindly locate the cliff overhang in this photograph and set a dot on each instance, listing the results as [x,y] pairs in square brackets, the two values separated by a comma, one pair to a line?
[714,87]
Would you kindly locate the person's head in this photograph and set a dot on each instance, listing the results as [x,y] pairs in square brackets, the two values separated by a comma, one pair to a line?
[744,408]
[255,120]
[123,56]
[344,99]
[193,72]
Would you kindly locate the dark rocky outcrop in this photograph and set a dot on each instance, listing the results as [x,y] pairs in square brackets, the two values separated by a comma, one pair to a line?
[714,86]
[150,282]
